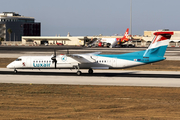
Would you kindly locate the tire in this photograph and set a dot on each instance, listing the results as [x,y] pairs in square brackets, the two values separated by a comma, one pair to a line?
[15,71]
[79,73]
[90,71]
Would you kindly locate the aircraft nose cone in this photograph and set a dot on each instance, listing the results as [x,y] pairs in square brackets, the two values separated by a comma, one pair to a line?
[10,66]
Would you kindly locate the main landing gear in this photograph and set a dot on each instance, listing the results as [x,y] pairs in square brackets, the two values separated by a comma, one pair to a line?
[79,73]
[15,71]
[90,71]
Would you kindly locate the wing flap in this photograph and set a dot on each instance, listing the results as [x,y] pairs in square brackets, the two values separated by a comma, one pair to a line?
[82,59]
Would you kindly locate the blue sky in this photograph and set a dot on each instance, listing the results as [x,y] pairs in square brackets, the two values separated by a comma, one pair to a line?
[94,17]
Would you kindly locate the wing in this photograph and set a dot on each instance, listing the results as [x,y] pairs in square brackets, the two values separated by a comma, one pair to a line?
[84,58]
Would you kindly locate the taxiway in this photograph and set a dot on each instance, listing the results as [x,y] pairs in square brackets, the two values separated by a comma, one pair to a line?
[100,77]
[17,51]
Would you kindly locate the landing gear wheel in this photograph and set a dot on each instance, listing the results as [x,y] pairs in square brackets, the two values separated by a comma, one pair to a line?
[90,71]
[15,71]
[79,73]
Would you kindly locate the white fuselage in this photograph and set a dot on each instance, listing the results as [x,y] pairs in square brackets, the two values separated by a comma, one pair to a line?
[154,53]
[65,62]
[112,41]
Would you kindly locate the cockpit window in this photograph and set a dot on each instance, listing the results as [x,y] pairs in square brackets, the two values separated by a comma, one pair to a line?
[19,59]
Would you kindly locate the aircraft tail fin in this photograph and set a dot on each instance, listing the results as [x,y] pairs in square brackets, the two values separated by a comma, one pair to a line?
[159,44]
[125,37]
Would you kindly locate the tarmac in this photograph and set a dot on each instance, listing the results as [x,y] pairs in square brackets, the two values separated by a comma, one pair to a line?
[15,52]
[99,77]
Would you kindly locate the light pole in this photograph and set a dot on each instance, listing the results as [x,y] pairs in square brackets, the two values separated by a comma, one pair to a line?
[131,19]
[14,39]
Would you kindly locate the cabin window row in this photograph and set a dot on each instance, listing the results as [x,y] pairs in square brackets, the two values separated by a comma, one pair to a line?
[39,61]
[102,61]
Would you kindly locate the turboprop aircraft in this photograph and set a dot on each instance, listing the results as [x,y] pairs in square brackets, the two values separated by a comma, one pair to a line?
[154,53]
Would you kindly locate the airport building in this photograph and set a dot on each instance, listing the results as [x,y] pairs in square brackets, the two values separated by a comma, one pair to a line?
[149,35]
[53,40]
[138,41]
[13,26]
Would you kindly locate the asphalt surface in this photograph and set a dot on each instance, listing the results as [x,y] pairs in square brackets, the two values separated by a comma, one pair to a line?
[17,51]
[100,77]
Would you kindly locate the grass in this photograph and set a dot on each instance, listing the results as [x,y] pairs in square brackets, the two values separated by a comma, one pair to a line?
[54,102]
[5,61]
[21,102]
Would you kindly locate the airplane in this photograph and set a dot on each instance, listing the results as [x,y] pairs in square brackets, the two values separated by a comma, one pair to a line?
[112,42]
[125,37]
[154,53]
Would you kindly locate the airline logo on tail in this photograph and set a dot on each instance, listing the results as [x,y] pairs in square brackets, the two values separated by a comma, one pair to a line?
[126,33]
[159,44]
[160,36]
[125,37]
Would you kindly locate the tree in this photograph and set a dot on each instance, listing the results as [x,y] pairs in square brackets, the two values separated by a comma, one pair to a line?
[9,31]
[1,39]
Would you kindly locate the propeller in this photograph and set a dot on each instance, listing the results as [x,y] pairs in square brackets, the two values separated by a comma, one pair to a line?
[54,59]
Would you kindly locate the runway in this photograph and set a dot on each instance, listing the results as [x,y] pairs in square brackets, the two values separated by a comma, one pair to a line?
[100,77]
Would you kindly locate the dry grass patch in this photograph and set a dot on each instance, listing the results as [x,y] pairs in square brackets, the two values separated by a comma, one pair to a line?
[88,102]
[5,61]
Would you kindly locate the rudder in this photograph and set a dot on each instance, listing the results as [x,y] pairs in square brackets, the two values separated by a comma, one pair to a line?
[159,44]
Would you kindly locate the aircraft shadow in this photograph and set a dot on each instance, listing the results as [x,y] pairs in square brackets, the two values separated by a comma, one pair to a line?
[104,74]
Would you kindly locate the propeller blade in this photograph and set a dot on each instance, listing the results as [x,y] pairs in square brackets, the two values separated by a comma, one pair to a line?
[54,58]
[54,52]
[55,64]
